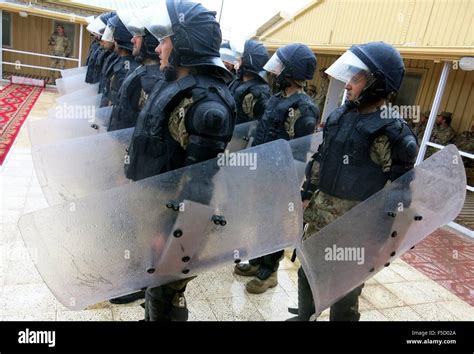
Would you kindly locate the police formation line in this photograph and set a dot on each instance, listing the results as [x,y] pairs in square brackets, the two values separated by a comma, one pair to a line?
[166,73]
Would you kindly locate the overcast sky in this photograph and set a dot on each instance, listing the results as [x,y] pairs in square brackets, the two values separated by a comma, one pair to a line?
[241,18]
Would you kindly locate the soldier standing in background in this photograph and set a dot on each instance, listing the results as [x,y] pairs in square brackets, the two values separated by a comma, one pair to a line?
[60,46]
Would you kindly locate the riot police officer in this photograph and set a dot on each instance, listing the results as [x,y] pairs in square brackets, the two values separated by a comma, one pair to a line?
[138,85]
[95,41]
[361,151]
[250,90]
[289,114]
[96,28]
[189,118]
[105,52]
[125,63]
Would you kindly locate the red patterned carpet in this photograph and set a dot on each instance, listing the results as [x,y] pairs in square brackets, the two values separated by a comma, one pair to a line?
[448,259]
[16,102]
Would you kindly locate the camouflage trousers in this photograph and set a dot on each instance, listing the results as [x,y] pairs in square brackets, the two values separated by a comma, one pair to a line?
[160,300]
[57,64]
[322,211]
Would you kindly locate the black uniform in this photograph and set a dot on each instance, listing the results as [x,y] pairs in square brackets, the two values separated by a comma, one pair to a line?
[94,52]
[126,111]
[115,77]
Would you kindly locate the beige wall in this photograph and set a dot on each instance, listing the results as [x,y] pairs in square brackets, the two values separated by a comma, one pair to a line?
[31,34]
[412,23]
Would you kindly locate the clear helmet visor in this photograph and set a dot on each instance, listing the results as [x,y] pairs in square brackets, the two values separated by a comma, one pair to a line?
[274,65]
[238,46]
[133,25]
[156,20]
[96,27]
[90,19]
[108,34]
[348,68]
[228,55]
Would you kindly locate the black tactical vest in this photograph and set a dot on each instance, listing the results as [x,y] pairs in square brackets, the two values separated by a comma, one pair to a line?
[259,90]
[346,169]
[272,125]
[125,112]
[151,78]
[124,66]
[106,70]
[153,151]
[94,70]
[91,61]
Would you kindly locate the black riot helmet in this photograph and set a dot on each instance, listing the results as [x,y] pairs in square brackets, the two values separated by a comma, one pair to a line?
[121,35]
[193,29]
[134,26]
[149,45]
[379,62]
[254,58]
[294,61]
[106,17]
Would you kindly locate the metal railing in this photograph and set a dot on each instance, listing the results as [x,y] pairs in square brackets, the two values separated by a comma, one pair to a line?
[426,138]
[18,65]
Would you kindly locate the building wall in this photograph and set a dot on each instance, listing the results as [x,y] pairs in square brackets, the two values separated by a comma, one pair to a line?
[417,23]
[458,96]
[31,34]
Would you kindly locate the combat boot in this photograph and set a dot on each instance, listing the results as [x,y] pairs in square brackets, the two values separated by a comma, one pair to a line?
[179,310]
[246,270]
[347,308]
[265,280]
[305,300]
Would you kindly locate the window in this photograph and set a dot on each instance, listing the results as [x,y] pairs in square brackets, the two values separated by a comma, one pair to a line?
[408,91]
[7,29]
[70,30]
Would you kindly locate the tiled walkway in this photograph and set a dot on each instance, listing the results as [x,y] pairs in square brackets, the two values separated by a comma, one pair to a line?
[398,293]
[448,259]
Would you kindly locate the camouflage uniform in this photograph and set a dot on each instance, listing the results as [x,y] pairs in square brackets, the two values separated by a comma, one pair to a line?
[419,130]
[60,47]
[443,135]
[176,123]
[465,142]
[248,105]
[320,99]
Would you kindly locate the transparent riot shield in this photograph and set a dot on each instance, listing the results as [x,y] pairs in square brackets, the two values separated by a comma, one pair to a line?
[47,131]
[74,71]
[64,167]
[167,227]
[303,150]
[75,168]
[70,84]
[357,245]
[87,110]
[102,116]
[243,136]
[87,94]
